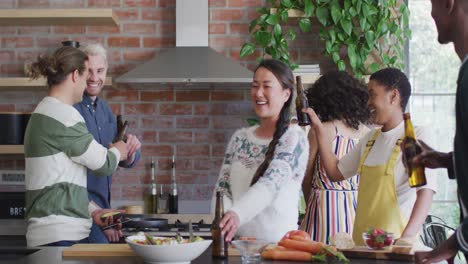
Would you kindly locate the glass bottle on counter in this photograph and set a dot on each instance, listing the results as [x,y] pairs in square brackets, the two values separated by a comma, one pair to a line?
[303,119]
[163,199]
[152,197]
[173,196]
[416,175]
[220,246]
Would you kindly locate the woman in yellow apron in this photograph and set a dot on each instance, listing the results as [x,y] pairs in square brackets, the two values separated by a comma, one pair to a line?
[385,199]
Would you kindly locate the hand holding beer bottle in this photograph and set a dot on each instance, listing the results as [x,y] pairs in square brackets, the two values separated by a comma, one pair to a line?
[410,149]
[301,103]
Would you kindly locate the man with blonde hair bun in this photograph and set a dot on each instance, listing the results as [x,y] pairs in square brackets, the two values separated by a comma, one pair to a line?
[101,123]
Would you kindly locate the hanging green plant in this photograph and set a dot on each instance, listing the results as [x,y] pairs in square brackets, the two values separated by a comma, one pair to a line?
[359,35]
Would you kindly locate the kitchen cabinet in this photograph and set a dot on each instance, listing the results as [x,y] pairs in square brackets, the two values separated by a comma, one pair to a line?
[49,17]
[308,79]
[25,82]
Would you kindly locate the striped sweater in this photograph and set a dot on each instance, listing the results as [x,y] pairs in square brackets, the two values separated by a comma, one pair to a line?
[58,149]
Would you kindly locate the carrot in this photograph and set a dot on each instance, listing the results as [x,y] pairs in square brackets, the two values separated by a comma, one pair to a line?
[307,246]
[276,248]
[301,233]
[294,255]
[299,238]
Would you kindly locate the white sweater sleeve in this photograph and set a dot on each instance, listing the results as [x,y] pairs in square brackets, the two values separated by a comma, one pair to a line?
[224,179]
[288,164]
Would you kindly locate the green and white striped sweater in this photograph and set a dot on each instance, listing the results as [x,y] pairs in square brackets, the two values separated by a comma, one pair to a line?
[58,148]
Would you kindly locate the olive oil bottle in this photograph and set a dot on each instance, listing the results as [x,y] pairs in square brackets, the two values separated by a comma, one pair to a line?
[152,197]
[173,195]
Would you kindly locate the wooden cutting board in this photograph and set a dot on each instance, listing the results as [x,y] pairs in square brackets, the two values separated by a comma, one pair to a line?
[111,250]
[396,253]
[98,250]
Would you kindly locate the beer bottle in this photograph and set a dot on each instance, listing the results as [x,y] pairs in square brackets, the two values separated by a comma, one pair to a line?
[301,103]
[121,129]
[411,149]
[220,246]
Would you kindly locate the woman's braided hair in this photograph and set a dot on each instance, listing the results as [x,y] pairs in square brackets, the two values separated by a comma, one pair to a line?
[285,77]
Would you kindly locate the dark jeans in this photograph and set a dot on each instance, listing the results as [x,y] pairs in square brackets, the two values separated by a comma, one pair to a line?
[67,243]
[97,236]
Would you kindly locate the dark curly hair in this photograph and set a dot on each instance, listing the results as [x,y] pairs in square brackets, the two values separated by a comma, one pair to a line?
[393,78]
[337,95]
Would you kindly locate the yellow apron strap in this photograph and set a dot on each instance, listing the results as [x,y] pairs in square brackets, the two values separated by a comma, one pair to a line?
[369,146]
[393,157]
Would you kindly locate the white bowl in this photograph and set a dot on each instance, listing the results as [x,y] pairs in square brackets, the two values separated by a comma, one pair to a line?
[173,254]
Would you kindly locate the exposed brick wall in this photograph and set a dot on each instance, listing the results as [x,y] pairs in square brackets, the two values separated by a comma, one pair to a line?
[194,125]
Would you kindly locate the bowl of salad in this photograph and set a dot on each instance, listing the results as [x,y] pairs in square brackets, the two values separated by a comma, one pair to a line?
[167,249]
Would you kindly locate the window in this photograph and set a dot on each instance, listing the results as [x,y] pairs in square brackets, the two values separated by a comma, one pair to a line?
[433,71]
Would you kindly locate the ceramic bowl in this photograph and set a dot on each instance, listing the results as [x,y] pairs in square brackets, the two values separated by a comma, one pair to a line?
[167,254]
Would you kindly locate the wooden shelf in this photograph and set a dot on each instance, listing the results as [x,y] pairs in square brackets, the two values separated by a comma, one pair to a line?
[49,17]
[309,79]
[6,82]
[291,13]
[11,149]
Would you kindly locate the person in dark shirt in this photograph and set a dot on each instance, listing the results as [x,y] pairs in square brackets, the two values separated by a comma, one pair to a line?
[102,124]
[451,19]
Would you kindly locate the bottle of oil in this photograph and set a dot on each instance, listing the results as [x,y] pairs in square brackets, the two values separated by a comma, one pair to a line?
[301,103]
[220,246]
[152,197]
[154,190]
[411,149]
[163,199]
[173,196]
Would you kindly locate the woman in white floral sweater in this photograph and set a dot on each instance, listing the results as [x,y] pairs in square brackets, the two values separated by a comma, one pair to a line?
[264,165]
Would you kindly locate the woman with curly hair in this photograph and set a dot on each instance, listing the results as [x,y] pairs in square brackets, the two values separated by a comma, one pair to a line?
[385,199]
[341,103]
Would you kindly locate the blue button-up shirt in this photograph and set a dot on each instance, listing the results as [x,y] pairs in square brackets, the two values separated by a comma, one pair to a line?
[102,123]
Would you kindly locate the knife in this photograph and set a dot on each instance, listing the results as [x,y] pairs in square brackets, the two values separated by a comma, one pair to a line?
[126,220]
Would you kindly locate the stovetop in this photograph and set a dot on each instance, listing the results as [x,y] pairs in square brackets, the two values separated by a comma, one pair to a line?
[199,229]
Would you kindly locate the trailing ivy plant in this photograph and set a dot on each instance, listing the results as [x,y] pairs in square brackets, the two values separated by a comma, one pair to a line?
[353,31]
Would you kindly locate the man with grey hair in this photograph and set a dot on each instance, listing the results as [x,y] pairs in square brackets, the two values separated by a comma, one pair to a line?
[102,124]
[451,19]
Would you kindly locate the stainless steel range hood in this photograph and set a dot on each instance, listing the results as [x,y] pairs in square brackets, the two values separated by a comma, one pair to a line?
[191,61]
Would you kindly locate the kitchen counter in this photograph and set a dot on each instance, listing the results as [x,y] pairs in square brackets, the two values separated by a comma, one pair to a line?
[53,255]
